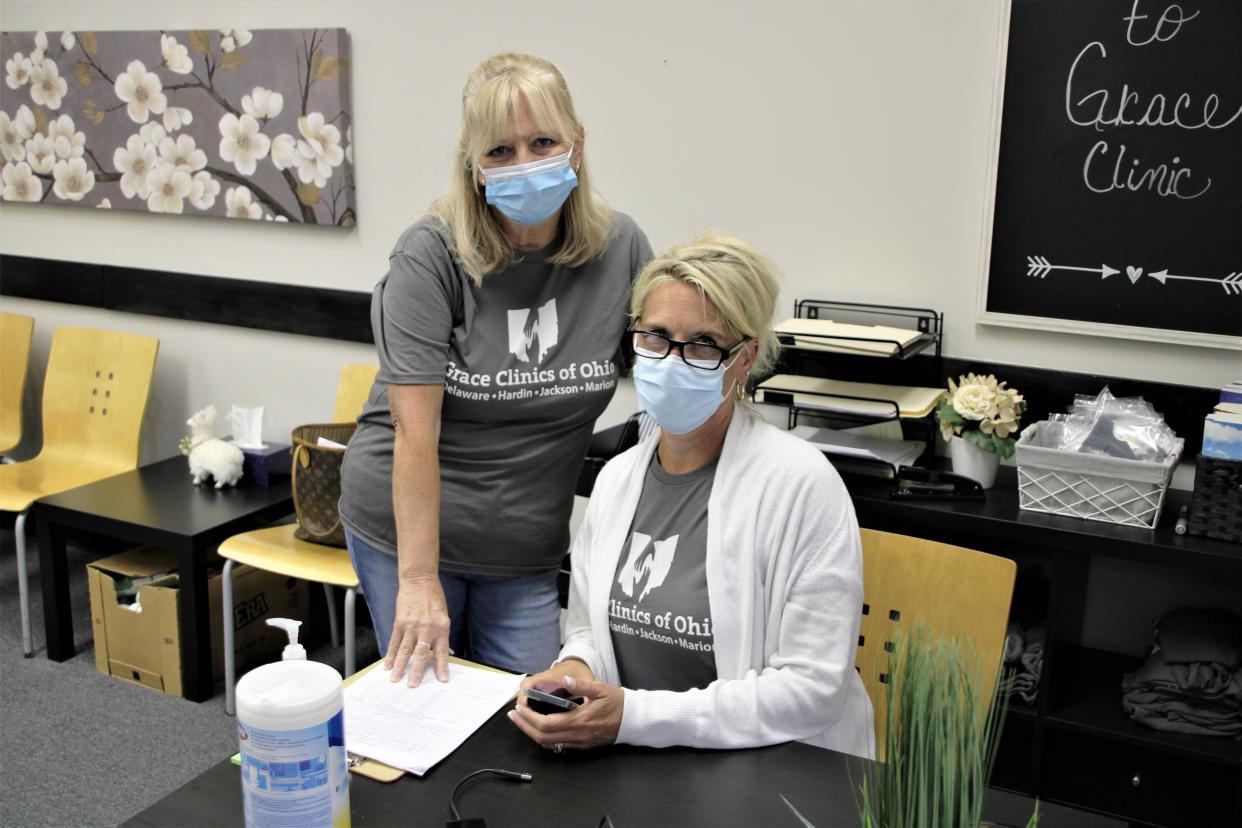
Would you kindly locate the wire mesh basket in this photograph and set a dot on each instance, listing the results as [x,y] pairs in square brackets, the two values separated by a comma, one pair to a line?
[1091,486]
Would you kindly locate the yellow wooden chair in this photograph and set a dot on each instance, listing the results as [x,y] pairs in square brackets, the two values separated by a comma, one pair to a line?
[15,334]
[94,398]
[275,549]
[956,591]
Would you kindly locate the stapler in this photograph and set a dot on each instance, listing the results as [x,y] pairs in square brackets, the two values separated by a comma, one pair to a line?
[917,483]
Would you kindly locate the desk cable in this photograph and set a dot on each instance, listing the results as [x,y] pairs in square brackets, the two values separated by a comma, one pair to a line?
[457,821]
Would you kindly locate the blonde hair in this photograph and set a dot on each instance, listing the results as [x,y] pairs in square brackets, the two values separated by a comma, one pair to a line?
[489,102]
[739,280]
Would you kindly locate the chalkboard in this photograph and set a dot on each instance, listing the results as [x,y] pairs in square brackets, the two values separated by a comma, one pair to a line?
[1118,206]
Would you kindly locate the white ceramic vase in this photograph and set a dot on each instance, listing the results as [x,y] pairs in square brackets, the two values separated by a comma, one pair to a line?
[973,462]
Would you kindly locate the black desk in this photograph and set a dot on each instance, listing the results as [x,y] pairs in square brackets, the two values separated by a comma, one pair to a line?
[160,506]
[636,786]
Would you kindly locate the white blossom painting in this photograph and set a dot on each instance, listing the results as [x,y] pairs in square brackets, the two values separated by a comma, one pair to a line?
[226,122]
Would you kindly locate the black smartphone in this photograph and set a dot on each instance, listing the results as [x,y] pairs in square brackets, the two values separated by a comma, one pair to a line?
[558,701]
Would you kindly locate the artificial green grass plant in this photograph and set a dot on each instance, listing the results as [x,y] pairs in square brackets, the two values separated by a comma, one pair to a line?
[943,731]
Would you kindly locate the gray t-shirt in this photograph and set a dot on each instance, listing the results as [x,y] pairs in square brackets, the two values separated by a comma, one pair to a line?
[528,361]
[659,612]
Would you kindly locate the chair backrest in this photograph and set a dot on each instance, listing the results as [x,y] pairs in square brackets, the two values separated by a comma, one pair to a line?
[15,334]
[955,591]
[95,395]
[352,391]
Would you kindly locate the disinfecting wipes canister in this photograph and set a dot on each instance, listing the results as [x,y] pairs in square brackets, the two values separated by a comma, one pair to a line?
[291,727]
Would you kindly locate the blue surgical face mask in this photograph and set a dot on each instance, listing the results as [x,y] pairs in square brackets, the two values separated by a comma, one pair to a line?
[678,397]
[531,193]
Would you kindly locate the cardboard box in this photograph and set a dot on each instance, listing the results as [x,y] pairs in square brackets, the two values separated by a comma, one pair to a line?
[144,646]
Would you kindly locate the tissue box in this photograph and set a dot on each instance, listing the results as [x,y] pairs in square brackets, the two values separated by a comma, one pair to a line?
[261,465]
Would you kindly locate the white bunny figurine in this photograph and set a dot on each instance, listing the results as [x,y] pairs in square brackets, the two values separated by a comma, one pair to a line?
[209,455]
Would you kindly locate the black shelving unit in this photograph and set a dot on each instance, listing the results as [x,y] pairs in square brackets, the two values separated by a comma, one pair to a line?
[1076,745]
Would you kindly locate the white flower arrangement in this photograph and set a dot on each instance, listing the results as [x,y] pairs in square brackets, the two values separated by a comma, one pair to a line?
[983,412]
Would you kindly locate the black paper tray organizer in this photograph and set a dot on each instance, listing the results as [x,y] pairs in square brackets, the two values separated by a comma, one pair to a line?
[928,323]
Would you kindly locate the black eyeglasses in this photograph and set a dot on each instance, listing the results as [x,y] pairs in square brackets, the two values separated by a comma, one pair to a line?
[695,354]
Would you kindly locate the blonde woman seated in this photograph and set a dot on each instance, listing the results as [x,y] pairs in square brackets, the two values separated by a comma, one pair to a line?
[717,574]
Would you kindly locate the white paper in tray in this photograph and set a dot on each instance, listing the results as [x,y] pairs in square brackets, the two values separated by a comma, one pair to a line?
[814,392]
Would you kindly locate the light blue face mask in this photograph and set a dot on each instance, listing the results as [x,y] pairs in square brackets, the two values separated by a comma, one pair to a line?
[678,397]
[531,193]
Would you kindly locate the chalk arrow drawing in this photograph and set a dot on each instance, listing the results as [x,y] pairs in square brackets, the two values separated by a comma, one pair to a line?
[1039,266]
[1232,284]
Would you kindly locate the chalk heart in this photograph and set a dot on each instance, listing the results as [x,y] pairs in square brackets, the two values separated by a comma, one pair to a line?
[1135,273]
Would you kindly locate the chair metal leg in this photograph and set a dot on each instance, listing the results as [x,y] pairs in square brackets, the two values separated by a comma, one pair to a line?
[349,632]
[23,589]
[333,627]
[230,666]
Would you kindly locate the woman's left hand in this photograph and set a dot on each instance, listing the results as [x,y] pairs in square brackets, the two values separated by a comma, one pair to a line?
[595,722]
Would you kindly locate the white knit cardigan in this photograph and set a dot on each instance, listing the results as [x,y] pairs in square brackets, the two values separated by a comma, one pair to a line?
[784,579]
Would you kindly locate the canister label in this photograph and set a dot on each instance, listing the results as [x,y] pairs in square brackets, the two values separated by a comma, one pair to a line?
[295,777]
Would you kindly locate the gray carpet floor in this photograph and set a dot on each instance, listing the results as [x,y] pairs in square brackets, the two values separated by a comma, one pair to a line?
[80,748]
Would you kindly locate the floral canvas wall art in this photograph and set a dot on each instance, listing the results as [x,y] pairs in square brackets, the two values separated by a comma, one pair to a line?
[226,122]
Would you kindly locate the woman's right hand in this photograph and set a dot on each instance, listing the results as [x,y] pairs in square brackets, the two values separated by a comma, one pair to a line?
[553,678]
[420,629]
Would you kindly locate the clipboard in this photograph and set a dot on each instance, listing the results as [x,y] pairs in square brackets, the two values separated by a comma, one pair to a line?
[379,771]
[370,768]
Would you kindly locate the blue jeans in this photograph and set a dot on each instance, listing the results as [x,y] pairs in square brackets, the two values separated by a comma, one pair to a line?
[511,622]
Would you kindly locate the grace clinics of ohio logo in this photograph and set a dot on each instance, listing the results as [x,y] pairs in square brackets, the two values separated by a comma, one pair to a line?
[647,565]
[533,330]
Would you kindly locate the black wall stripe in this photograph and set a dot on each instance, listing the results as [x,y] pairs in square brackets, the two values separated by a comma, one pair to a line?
[267,306]
[345,315]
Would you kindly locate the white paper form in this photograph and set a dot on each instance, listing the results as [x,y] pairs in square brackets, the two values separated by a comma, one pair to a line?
[851,444]
[413,728]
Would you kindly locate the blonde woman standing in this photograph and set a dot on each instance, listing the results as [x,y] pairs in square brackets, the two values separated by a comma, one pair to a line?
[497,328]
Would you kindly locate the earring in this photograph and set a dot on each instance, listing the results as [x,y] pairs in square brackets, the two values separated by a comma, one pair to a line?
[739,391]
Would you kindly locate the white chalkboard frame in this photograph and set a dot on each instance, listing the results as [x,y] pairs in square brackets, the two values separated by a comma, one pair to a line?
[985,317]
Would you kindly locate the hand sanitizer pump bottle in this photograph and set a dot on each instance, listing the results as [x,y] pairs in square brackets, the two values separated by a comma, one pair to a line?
[291,728]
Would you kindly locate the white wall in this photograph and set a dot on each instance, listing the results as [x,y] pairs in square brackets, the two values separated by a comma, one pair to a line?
[848,139]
